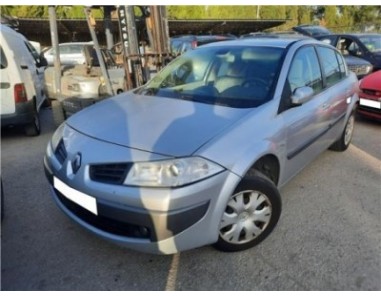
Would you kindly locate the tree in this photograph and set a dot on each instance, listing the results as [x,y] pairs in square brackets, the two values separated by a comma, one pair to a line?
[273,12]
[304,14]
[330,16]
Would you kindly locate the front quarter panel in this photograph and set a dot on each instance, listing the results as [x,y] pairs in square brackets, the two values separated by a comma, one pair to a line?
[257,134]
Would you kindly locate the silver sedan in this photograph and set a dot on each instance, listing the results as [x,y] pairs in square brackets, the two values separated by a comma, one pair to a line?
[197,155]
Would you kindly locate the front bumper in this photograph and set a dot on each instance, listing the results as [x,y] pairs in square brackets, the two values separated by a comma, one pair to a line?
[369,106]
[153,220]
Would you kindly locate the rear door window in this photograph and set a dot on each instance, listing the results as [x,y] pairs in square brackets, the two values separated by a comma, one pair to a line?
[330,65]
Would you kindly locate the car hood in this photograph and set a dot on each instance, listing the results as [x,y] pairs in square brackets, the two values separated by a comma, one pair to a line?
[372,81]
[352,60]
[160,125]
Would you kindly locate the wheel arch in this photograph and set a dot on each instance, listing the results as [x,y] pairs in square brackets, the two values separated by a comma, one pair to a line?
[268,165]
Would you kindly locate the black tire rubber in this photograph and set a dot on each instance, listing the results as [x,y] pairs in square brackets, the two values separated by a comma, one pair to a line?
[340,145]
[58,112]
[258,182]
[33,129]
[2,201]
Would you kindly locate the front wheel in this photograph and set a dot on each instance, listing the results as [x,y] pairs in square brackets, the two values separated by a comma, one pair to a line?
[251,214]
[346,137]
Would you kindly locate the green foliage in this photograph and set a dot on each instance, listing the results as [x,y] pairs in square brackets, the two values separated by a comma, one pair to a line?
[337,18]
[304,14]
[330,15]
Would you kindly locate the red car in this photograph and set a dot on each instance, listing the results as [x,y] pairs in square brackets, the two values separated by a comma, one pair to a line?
[370,96]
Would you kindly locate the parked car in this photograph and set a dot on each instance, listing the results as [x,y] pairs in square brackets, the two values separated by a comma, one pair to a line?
[311,30]
[183,43]
[21,72]
[359,66]
[71,53]
[83,85]
[365,46]
[197,155]
[370,96]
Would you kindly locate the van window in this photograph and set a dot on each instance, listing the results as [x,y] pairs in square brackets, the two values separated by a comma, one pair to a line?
[33,52]
[3,59]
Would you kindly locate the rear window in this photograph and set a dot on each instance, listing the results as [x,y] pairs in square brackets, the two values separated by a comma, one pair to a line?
[330,64]
[3,59]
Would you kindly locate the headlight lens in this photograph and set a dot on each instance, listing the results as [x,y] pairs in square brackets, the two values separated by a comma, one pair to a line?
[171,173]
[57,136]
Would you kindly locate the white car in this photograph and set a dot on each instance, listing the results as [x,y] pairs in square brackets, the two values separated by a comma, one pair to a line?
[82,85]
[22,86]
[71,53]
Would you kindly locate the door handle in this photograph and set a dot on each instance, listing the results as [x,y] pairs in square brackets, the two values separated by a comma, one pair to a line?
[325,106]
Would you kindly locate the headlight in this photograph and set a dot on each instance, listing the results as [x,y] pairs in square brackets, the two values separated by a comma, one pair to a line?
[369,69]
[57,136]
[171,173]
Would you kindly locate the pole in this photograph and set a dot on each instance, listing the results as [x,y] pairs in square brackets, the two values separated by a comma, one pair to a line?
[91,23]
[56,57]
[108,26]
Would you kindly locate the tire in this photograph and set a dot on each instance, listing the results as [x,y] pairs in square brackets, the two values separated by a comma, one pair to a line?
[345,139]
[58,112]
[33,129]
[251,214]
[2,201]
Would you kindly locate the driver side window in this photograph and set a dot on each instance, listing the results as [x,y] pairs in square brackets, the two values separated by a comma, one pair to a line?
[305,70]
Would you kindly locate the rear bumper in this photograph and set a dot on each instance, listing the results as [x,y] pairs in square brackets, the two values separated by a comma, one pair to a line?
[24,114]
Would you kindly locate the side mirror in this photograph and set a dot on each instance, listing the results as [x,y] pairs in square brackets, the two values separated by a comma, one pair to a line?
[301,95]
[43,61]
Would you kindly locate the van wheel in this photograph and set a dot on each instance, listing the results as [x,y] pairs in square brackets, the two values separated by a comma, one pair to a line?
[58,112]
[34,128]
[346,137]
[251,214]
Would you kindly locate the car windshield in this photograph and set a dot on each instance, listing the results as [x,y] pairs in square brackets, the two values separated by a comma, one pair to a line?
[240,77]
[372,42]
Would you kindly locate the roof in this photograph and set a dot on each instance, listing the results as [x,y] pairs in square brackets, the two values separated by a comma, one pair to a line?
[270,42]
[77,29]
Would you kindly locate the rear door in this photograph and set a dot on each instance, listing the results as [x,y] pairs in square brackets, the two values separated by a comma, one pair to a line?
[37,72]
[6,88]
[337,89]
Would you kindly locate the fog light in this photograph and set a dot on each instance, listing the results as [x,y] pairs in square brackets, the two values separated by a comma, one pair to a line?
[143,231]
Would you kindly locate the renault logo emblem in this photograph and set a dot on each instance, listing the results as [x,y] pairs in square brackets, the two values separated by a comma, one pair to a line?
[76,163]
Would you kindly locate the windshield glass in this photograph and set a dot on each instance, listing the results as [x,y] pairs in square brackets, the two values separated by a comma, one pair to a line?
[241,77]
[372,42]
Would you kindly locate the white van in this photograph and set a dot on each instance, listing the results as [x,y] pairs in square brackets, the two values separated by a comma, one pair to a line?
[21,81]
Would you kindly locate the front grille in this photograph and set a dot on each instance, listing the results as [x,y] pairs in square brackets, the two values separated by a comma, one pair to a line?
[359,70]
[60,152]
[113,173]
[370,92]
[104,223]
